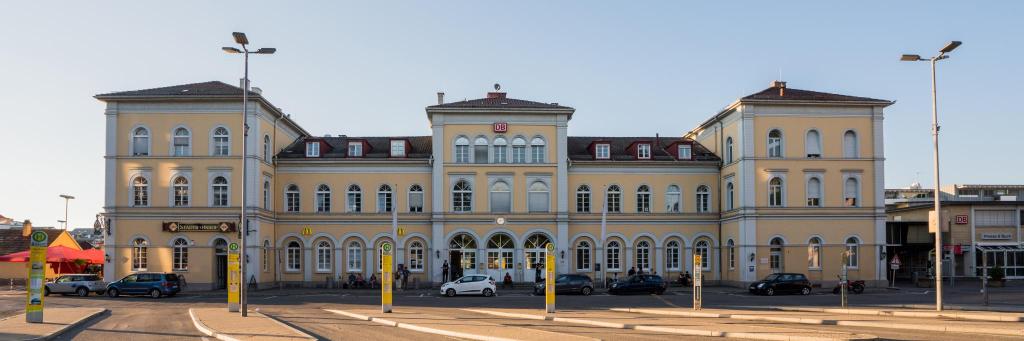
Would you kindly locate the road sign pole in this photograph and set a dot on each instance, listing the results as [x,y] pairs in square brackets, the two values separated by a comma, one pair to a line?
[386,277]
[698,283]
[36,274]
[549,280]
[984,277]
[843,279]
[234,278]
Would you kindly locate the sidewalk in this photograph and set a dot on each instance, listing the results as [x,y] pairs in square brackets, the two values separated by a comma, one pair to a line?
[55,322]
[224,325]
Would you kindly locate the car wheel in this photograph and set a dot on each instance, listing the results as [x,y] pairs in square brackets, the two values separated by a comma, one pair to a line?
[155,293]
[113,293]
[449,292]
[770,292]
[805,291]
[488,292]
[82,292]
[586,291]
[46,291]
[857,289]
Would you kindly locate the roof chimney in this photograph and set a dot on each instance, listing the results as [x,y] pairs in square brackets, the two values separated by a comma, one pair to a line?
[496,94]
[781,86]
[440,98]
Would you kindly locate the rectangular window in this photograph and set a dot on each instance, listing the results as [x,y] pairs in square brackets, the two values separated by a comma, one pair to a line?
[312,149]
[643,203]
[673,202]
[355,202]
[384,202]
[220,146]
[355,149]
[323,202]
[583,202]
[480,154]
[614,202]
[685,152]
[398,148]
[613,259]
[602,151]
[181,147]
[582,259]
[292,201]
[518,154]
[416,202]
[732,257]
[537,154]
[416,259]
[539,201]
[294,256]
[500,154]
[355,258]
[461,154]
[501,201]
[643,151]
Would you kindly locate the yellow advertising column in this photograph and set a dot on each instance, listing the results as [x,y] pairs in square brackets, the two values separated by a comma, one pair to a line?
[234,277]
[386,277]
[549,279]
[698,283]
[36,275]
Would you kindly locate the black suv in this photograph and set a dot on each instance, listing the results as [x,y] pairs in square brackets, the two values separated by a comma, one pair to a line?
[782,283]
[646,284]
[568,284]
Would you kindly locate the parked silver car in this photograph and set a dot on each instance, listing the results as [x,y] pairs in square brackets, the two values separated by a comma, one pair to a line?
[80,284]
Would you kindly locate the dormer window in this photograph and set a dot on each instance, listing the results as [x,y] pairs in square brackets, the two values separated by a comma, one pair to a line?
[355,149]
[643,151]
[313,149]
[685,152]
[398,148]
[602,151]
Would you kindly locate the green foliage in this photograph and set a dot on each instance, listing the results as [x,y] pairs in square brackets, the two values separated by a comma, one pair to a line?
[997,273]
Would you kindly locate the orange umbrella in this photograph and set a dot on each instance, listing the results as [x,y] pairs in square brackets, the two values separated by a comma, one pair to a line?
[59,254]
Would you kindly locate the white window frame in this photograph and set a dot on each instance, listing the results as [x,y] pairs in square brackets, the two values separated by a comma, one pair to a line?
[462,153]
[312,149]
[643,199]
[139,198]
[266,255]
[398,148]
[355,149]
[809,195]
[267,148]
[810,147]
[613,191]
[853,262]
[728,150]
[703,199]
[732,254]
[546,191]
[857,191]
[292,195]
[519,150]
[354,257]
[500,154]
[779,201]
[775,144]
[385,198]
[354,199]
[676,192]
[293,256]
[322,198]
[643,151]
[642,255]
[416,256]
[267,205]
[684,151]
[324,256]
[187,151]
[134,136]
[603,151]
[466,196]
[814,248]
[174,191]
[214,146]
[672,262]
[583,253]
[179,254]
[613,255]
[214,188]
[538,150]
[584,198]
[140,254]
[416,190]
[704,252]
[851,151]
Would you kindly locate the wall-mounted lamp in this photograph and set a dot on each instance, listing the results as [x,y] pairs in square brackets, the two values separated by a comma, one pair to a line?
[751,256]
[106,258]
[563,254]
[438,253]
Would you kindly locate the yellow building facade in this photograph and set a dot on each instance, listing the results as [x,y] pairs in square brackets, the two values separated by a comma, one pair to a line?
[496,180]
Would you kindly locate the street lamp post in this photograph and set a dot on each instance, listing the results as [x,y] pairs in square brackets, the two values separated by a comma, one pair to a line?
[241,39]
[66,199]
[935,145]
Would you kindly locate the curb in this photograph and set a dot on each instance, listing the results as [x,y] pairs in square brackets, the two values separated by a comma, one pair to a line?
[206,330]
[71,325]
[414,327]
[670,330]
[958,315]
[285,325]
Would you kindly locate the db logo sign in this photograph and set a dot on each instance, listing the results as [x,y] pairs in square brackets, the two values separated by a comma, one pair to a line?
[961,219]
[500,127]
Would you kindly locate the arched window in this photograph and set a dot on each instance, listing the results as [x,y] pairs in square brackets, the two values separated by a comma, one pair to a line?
[182,142]
[480,150]
[852,252]
[355,256]
[181,191]
[672,256]
[851,192]
[702,248]
[140,191]
[537,241]
[814,253]
[812,144]
[643,256]
[732,253]
[643,199]
[539,195]
[775,261]
[537,150]
[462,196]
[220,191]
[519,150]
[179,255]
[355,199]
[266,194]
[140,142]
[221,142]
[612,251]
[613,199]
[266,255]
[728,150]
[415,198]
[465,246]
[499,252]
[266,148]
[501,197]
[385,199]
[323,256]
[500,150]
[775,143]
[775,192]
[703,199]
[462,150]
[730,196]
[293,256]
[583,256]
[813,192]
[291,198]
[850,147]
[323,198]
[140,253]
[673,199]
[535,248]
[416,256]
[583,199]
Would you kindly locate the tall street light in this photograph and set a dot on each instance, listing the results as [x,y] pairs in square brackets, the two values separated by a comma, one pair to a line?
[935,141]
[66,199]
[240,39]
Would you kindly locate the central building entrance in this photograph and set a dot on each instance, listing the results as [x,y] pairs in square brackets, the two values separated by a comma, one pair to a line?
[535,253]
[462,256]
[220,255]
[500,249]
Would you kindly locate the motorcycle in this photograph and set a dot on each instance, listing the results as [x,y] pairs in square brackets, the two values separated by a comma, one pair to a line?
[856,286]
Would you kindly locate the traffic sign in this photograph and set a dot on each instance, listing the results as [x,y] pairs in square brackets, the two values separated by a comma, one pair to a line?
[386,277]
[36,275]
[895,263]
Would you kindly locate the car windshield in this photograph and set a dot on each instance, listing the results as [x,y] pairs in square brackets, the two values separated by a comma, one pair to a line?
[772,277]
[171,277]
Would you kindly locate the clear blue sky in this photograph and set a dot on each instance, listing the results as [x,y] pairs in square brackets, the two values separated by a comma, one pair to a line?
[630,68]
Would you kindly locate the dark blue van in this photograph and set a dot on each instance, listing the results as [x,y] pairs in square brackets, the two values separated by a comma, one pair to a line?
[152,284]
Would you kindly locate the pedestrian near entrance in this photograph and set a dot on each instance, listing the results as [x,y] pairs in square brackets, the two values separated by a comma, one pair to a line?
[444,272]
[373,281]
[536,273]
[405,278]
[507,283]
[632,271]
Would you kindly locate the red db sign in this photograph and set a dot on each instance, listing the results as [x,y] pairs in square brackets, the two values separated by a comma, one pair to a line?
[500,127]
[961,219]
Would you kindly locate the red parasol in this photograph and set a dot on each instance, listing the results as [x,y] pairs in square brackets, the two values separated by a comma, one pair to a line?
[59,254]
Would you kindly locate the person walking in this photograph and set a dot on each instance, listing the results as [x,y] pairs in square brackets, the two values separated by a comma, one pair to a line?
[444,272]
[536,273]
[405,278]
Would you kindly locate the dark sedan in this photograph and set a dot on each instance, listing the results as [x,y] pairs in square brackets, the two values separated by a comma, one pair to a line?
[782,283]
[568,284]
[644,284]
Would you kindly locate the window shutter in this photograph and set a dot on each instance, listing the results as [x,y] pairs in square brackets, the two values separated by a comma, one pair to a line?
[850,144]
[813,143]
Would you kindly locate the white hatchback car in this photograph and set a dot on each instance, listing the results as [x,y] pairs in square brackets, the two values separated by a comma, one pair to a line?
[470,285]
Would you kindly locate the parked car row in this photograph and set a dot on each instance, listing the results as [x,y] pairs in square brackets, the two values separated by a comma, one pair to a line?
[152,284]
[564,284]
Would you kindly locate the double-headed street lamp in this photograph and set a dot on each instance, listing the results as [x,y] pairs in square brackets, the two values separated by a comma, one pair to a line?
[935,141]
[66,199]
[240,39]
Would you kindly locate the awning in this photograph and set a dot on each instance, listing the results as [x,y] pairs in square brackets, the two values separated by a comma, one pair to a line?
[1000,248]
[59,254]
